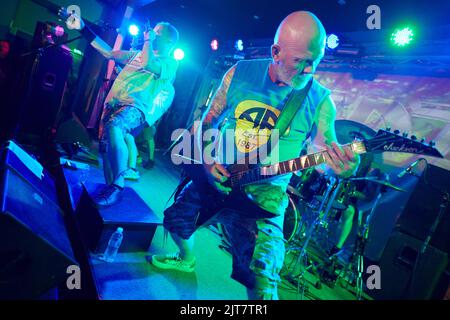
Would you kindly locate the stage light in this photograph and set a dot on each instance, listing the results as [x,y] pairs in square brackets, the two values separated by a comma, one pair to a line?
[133,30]
[178,54]
[214,44]
[54,30]
[402,37]
[239,45]
[77,51]
[59,31]
[332,41]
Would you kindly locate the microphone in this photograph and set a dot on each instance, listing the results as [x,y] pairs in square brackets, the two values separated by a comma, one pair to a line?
[409,168]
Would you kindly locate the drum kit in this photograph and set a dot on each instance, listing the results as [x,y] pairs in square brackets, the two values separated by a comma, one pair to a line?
[314,200]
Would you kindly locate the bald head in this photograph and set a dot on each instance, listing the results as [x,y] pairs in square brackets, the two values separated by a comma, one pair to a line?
[301,29]
[298,47]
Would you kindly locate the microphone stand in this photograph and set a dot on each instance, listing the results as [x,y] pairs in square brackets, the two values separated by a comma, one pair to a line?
[442,208]
[361,241]
[357,257]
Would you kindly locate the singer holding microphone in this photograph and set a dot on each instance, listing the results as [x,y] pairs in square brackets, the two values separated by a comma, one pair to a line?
[141,93]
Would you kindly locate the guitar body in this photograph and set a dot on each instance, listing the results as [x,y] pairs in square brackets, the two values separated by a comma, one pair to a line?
[213,201]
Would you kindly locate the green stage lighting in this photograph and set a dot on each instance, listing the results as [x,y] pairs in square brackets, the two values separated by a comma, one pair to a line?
[402,37]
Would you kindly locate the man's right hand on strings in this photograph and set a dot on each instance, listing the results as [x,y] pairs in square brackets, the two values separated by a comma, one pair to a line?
[217,174]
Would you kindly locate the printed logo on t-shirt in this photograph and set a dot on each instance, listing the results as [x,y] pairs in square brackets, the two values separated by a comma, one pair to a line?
[255,121]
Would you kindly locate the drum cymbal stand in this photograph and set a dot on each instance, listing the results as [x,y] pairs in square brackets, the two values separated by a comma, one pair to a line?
[330,194]
[356,264]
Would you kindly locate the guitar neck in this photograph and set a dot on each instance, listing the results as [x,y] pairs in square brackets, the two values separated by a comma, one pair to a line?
[304,162]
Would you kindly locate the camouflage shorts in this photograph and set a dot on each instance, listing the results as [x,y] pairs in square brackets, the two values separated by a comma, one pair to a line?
[257,245]
[128,118]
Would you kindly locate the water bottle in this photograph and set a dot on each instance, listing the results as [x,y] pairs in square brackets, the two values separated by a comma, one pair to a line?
[113,245]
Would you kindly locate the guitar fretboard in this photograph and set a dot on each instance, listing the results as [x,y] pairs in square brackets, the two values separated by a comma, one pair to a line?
[288,166]
[304,162]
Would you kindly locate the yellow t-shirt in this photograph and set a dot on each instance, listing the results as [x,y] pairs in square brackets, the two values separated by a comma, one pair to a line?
[137,86]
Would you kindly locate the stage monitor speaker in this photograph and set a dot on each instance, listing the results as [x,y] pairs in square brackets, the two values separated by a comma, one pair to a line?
[131,213]
[407,275]
[35,250]
[423,207]
[71,130]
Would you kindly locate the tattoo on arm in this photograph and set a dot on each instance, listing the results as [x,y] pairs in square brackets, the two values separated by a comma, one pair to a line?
[218,105]
[219,102]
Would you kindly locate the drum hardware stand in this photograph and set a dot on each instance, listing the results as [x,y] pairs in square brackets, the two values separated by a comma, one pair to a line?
[357,258]
[301,281]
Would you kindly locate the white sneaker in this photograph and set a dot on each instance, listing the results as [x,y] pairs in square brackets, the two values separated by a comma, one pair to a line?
[174,262]
[131,174]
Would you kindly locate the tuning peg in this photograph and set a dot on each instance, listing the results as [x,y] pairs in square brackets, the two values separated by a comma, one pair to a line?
[413,137]
[405,134]
[396,131]
[431,143]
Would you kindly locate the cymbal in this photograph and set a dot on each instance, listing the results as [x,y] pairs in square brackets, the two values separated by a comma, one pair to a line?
[381,182]
[389,185]
[348,130]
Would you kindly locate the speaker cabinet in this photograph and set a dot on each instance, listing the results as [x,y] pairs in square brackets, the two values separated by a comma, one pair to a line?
[407,275]
[35,250]
[423,207]
[42,94]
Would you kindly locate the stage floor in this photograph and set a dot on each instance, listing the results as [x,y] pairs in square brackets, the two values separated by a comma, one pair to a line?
[132,277]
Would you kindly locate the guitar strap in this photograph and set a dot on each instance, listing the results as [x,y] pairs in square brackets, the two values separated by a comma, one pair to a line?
[291,106]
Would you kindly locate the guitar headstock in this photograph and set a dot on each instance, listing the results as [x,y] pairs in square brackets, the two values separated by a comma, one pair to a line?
[387,141]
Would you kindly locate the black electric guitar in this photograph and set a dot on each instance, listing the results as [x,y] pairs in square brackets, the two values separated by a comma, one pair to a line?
[242,175]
